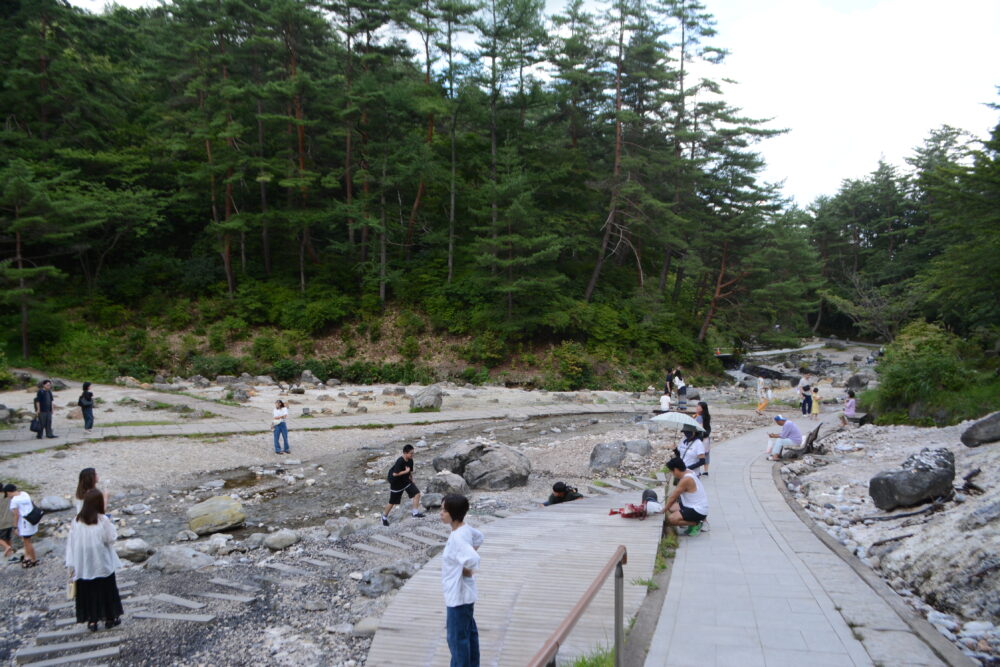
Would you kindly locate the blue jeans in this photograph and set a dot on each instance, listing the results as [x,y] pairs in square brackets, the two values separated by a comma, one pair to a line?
[280,429]
[88,417]
[463,636]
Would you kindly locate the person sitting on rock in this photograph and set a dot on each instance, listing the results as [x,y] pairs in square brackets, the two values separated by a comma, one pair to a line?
[790,436]
[665,402]
[687,504]
[850,408]
[562,493]
[401,479]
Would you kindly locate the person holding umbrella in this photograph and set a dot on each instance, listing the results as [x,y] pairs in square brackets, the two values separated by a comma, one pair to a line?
[691,449]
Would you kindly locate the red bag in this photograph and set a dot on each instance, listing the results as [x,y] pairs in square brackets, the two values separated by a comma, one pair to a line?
[630,511]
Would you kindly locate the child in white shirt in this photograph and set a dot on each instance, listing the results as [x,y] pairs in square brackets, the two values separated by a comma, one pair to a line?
[459,563]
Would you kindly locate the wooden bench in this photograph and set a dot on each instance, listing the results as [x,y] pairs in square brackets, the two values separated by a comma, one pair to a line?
[805,448]
[861,418]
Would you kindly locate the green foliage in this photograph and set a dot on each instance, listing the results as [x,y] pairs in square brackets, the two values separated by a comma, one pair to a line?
[601,657]
[410,323]
[210,366]
[476,376]
[6,377]
[487,348]
[569,368]
[410,349]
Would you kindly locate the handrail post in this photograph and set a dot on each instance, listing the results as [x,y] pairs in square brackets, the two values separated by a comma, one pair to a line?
[619,614]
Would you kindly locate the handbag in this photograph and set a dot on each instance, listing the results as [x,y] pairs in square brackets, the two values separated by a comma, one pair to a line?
[36,425]
[35,515]
[71,589]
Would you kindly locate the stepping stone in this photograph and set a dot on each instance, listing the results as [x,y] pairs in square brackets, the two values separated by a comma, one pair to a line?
[661,477]
[648,480]
[32,651]
[225,596]
[422,540]
[391,542]
[440,532]
[634,484]
[290,569]
[289,583]
[64,605]
[78,657]
[246,588]
[139,598]
[615,485]
[196,618]
[373,550]
[317,562]
[503,514]
[60,634]
[180,602]
[333,553]
[596,489]
[61,622]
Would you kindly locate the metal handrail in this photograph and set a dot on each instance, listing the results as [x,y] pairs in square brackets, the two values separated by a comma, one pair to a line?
[546,656]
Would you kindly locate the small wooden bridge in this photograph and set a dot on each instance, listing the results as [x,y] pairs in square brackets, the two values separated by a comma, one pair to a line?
[535,567]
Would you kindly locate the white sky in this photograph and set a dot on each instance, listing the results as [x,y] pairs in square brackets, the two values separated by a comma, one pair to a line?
[852,80]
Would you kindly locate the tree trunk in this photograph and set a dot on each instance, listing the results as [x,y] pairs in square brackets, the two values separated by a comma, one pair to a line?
[665,270]
[678,284]
[721,284]
[381,239]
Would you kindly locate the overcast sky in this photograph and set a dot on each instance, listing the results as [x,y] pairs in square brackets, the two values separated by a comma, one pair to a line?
[852,80]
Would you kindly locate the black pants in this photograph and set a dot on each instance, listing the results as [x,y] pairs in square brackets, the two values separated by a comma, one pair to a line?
[45,422]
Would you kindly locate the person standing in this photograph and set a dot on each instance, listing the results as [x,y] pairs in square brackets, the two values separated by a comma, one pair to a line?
[805,395]
[702,416]
[814,412]
[459,564]
[88,480]
[668,384]
[20,504]
[92,562]
[681,390]
[401,479]
[7,530]
[762,398]
[279,425]
[43,409]
[86,403]
[691,449]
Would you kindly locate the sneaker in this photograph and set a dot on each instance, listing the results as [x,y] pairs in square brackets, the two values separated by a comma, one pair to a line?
[385,521]
[704,526]
[418,515]
[693,530]
[704,474]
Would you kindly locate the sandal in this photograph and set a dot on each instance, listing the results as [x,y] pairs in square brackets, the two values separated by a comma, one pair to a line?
[29,563]
[92,626]
[114,623]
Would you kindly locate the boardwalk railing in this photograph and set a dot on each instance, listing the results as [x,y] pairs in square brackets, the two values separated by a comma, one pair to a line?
[546,656]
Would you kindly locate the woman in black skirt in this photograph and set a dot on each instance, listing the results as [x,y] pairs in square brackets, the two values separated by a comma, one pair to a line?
[92,561]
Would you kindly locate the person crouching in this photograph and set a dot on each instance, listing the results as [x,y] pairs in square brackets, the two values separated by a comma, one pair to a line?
[687,504]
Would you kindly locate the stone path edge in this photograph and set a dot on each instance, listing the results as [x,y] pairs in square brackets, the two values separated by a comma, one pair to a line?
[937,643]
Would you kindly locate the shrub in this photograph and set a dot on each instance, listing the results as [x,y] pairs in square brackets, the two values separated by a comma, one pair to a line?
[488,348]
[475,376]
[411,324]
[286,370]
[410,349]
[6,377]
[219,364]
[572,365]
[268,348]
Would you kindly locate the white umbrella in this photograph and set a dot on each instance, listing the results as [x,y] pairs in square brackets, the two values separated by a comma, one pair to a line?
[678,418]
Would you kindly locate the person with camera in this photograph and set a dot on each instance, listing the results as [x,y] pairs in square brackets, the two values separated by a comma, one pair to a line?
[24,512]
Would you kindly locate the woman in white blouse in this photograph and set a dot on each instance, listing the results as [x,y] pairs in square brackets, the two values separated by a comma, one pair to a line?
[92,561]
[279,426]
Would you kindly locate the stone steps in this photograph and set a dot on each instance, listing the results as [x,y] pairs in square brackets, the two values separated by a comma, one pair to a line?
[77,657]
[194,618]
[426,541]
[48,649]
[180,602]
[382,539]
[225,596]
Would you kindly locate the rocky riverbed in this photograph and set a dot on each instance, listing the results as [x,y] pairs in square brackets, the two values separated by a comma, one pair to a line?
[943,558]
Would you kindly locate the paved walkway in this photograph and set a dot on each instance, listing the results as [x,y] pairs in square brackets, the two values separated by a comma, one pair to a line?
[762,589]
[535,567]
[20,441]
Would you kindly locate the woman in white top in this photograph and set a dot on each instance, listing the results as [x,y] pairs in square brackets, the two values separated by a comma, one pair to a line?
[279,426]
[92,561]
[681,390]
[691,449]
[21,506]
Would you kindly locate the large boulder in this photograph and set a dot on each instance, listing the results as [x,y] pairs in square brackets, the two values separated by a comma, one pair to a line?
[54,504]
[485,464]
[431,500]
[924,476]
[983,432]
[428,398]
[607,456]
[307,377]
[857,382]
[446,482]
[339,528]
[281,539]
[135,550]
[172,559]
[199,381]
[639,447]
[215,514]
[375,584]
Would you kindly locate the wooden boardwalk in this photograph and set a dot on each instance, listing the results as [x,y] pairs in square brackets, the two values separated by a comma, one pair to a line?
[535,566]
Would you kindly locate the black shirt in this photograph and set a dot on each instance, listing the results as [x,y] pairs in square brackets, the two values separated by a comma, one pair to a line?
[400,465]
[44,400]
[86,399]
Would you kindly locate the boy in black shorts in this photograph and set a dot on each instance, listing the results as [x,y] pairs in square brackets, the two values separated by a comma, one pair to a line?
[401,479]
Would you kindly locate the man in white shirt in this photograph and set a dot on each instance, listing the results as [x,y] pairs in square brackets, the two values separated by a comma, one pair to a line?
[459,563]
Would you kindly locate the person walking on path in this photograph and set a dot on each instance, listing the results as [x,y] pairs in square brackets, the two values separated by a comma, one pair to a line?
[850,408]
[401,479]
[668,384]
[43,409]
[681,390]
[88,480]
[20,504]
[790,436]
[814,412]
[762,397]
[280,426]
[86,403]
[702,416]
[687,504]
[7,530]
[92,562]
[805,397]
[459,564]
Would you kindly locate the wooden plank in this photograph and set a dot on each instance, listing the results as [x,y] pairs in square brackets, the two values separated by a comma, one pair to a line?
[289,569]
[287,583]
[60,634]
[614,484]
[246,588]
[180,602]
[648,481]
[78,657]
[440,532]
[503,514]
[317,562]
[64,605]
[62,622]
[46,649]
[195,618]
[634,484]
[422,540]
[225,596]
[390,542]
[597,489]
[333,553]
[372,550]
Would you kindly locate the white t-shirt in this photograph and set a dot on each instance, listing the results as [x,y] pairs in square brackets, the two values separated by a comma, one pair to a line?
[90,550]
[22,503]
[653,507]
[678,382]
[458,554]
[691,452]
[280,413]
[665,402]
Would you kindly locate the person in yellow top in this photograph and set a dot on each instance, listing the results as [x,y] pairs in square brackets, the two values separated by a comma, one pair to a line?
[814,411]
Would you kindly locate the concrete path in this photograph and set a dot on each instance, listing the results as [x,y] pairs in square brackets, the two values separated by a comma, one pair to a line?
[535,567]
[762,589]
[21,440]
